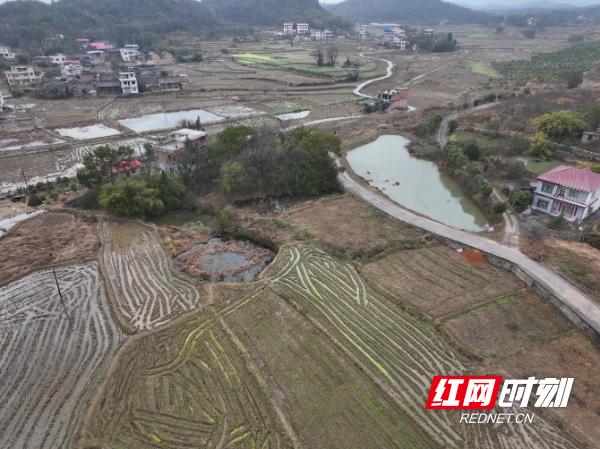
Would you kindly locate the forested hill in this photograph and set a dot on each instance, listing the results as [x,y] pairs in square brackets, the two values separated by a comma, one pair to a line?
[25,23]
[420,12]
[268,12]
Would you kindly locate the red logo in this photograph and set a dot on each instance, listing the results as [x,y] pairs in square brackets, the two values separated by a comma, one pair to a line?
[463,392]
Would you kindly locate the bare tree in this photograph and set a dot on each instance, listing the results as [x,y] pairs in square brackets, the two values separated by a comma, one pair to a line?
[332,54]
[319,56]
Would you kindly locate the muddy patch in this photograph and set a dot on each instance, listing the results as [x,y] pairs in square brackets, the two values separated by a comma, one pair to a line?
[220,260]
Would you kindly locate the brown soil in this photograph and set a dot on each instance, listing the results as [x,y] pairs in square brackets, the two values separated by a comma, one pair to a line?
[178,241]
[47,240]
[475,258]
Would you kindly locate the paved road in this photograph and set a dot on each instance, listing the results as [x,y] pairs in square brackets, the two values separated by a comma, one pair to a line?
[583,306]
[361,86]
[511,221]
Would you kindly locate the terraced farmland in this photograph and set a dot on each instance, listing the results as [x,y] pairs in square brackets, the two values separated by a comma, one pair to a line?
[437,281]
[144,284]
[398,352]
[184,386]
[48,365]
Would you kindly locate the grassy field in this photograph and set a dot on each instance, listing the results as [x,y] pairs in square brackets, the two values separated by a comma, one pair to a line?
[484,69]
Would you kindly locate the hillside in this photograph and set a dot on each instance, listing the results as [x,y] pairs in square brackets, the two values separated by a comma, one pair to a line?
[422,12]
[25,23]
[269,12]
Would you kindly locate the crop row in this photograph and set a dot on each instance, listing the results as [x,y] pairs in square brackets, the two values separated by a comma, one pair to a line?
[400,351]
[48,361]
[147,290]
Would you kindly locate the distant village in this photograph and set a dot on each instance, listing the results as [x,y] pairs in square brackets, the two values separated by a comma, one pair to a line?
[99,68]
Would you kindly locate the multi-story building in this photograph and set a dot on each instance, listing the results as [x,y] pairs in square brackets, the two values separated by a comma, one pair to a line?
[58,59]
[71,69]
[168,154]
[97,57]
[302,28]
[6,53]
[129,84]
[361,32]
[570,192]
[328,35]
[129,52]
[316,35]
[22,75]
[288,28]
[400,42]
[1,102]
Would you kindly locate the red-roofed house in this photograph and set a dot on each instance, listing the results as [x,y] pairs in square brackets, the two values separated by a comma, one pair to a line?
[571,192]
[125,166]
[102,45]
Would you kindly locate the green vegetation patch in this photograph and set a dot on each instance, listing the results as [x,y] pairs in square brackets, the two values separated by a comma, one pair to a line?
[555,66]
[484,69]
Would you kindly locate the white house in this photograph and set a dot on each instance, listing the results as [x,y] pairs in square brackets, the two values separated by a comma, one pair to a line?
[571,192]
[288,28]
[58,59]
[400,42]
[6,53]
[1,102]
[361,32]
[129,84]
[129,52]
[302,28]
[328,35]
[316,35]
[71,69]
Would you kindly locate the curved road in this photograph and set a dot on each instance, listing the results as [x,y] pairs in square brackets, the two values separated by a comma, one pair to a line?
[361,86]
[579,303]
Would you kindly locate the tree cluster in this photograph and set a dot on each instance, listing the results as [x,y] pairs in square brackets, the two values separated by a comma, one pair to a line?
[247,163]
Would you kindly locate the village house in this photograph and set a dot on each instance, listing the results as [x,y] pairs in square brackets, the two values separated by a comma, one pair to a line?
[428,32]
[150,80]
[101,45]
[316,35]
[83,43]
[127,167]
[129,84]
[97,57]
[71,69]
[591,136]
[328,35]
[58,59]
[1,102]
[288,28]
[168,154]
[22,75]
[129,52]
[302,28]
[361,32]
[82,85]
[6,53]
[395,99]
[388,35]
[570,192]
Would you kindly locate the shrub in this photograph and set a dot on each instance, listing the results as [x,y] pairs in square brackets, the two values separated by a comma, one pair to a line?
[521,199]
[471,150]
[499,208]
[34,201]
[559,124]
[596,168]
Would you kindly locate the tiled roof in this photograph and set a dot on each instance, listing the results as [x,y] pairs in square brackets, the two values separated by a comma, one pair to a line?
[574,178]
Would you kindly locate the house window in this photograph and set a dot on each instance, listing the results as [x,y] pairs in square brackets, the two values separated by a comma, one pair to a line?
[542,204]
[547,188]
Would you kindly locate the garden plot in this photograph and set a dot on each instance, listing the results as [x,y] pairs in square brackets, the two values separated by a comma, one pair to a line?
[293,116]
[437,281]
[48,364]
[168,120]
[184,386]
[88,132]
[146,288]
[400,353]
[234,111]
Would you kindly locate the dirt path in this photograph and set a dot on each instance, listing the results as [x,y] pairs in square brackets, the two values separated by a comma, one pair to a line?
[587,310]
[361,86]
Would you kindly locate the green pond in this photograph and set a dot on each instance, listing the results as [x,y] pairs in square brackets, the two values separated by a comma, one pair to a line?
[415,183]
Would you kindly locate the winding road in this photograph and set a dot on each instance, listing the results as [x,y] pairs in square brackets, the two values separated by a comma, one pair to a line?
[361,86]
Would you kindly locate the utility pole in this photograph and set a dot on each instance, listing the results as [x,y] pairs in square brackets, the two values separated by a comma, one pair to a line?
[61,299]
[25,178]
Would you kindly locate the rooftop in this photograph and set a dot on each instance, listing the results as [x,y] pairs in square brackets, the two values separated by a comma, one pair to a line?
[574,178]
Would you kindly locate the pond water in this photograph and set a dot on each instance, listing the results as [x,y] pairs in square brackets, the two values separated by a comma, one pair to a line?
[414,183]
[160,121]
[230,261]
